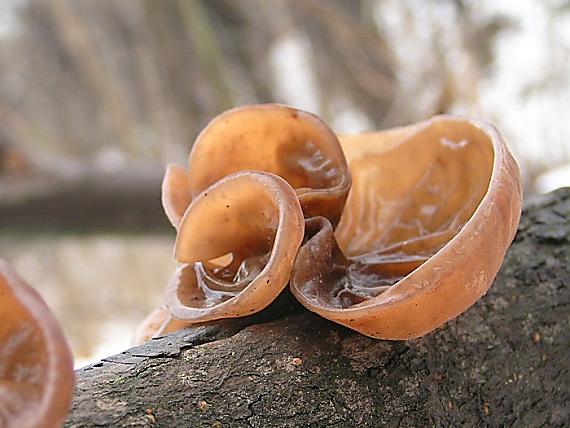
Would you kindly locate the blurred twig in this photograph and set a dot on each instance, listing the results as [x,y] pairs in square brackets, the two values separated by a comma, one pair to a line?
[204,40]
[74,34]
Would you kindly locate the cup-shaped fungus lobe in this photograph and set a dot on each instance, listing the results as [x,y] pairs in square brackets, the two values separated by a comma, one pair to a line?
[175,193]
[238,239]
[36,366]
[431,213]
[290,143]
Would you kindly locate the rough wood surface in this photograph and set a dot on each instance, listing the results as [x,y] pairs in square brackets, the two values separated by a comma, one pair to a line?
[502,363]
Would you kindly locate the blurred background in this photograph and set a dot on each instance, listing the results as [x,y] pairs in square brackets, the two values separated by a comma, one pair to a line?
[96,96]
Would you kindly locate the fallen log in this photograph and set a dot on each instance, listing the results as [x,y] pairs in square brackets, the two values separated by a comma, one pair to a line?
[87,200]
[504,362]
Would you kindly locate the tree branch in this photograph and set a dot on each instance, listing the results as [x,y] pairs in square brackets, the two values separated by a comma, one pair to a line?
[503,362]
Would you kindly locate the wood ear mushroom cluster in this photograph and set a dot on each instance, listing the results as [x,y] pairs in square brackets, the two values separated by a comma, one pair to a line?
[391,234]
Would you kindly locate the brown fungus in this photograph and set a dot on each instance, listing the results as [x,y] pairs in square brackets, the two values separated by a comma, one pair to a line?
[238,239]
[432,209]
[36,366]
[175,193]
[287,142]
[431,213]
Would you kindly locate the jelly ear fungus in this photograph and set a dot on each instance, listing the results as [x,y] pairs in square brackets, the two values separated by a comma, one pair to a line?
[237,240]
[431,213]
[281,140]
[175,193]
[36,365]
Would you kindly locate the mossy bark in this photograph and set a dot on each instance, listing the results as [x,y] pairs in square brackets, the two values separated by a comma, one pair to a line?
[504,362]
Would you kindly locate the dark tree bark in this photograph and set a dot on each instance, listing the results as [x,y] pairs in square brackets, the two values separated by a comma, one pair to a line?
[502,363]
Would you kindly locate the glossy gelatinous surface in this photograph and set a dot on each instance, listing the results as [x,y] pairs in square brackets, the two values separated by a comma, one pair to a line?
[175,193]
[287,142]
[431,212]
[238,240]
[36,366]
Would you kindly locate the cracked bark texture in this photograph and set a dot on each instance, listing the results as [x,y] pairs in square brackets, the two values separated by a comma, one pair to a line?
[502,363]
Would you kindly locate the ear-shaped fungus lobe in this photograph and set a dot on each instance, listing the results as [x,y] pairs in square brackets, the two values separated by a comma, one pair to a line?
[175,193]
[36,366]
[239,239]
[290,143]
[432,210]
